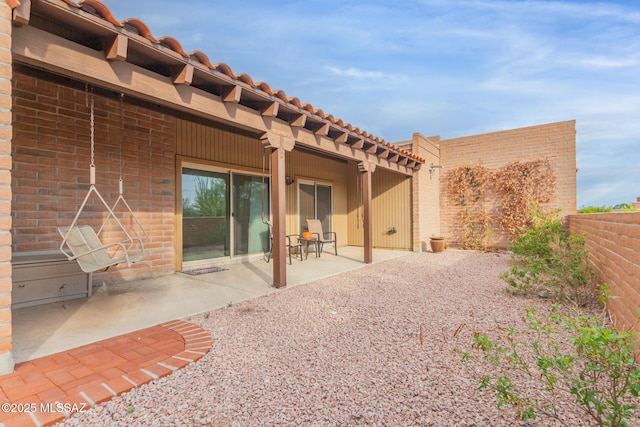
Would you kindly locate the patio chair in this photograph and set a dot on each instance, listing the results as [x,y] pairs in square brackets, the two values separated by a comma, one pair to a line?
[315,228]
[290,244]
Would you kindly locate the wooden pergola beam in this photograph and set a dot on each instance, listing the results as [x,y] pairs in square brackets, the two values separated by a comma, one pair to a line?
[117,49]
[342,138]
[299,121]
[279,144]
[271,110]
[359,144]
[322,130]
[232,95]
[21,14]
[35,47]
[185,76]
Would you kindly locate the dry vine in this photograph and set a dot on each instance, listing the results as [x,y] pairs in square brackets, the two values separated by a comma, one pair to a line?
[522,187]
[517,189]
[467,186]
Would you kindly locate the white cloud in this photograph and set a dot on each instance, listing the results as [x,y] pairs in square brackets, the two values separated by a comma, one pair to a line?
[355,73]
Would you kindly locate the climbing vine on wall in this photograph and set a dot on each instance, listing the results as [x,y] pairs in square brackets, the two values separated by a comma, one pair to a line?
[467,186]
[521,187]
[515,190]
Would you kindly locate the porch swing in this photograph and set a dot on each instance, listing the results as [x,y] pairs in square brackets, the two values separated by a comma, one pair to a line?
[84,245]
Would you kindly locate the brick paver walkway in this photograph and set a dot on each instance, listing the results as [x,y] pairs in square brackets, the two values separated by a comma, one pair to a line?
[47,390]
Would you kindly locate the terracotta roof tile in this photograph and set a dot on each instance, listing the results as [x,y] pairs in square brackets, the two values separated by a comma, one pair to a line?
[281,95]
[172,44]
[264,87]
[133,24]
[245,78]
[101,9]
[295,102]
[224,69]
[141,28]
[201,57]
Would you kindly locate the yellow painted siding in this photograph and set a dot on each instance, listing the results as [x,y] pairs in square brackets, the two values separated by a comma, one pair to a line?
[244,152]
[199,141]
[391,208]
[304,166]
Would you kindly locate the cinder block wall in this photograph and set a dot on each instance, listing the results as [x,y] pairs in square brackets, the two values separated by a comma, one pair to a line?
[6,357]
[613,240]
[554,141]
[51,157]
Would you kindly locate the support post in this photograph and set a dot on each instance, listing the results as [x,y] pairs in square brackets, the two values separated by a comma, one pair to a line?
[279,144]
[367,170]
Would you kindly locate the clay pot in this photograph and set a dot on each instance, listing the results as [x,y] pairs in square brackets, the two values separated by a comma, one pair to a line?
[437,244]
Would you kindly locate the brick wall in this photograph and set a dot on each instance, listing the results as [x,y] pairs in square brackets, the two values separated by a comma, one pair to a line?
[613,240]
[554,141]
[51,157]
[6,357]
[425,192]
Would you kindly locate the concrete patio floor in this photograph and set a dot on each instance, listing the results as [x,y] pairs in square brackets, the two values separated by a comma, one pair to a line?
[129,306]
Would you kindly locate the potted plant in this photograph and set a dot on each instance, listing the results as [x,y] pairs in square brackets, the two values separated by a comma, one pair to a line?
[437,244]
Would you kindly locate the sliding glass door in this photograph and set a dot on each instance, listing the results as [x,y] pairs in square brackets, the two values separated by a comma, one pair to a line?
[222,214]
[315,201]
[205,214]
[251,235]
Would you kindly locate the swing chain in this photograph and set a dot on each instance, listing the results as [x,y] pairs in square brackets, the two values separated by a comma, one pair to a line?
[92,131]
[121,130]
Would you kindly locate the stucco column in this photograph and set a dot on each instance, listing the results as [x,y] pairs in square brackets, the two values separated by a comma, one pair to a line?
[6,355]
[366,169]
[279,144]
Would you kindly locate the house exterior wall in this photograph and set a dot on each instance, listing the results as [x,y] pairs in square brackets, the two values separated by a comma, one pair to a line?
[425,192]
[244,152]
[6,357]
[391,200]
[613,241]
[554,141]
[51,157]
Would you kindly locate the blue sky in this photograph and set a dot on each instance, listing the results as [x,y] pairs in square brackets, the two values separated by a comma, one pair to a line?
[439,67]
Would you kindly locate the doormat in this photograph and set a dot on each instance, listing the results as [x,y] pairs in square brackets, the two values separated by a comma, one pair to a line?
[205,270]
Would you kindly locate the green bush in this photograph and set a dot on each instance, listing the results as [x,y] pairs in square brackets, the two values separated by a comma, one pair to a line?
[595,209]
[559,359]
[549,261]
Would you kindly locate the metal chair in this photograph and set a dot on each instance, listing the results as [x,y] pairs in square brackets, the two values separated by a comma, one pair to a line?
[290,244]
[315,228]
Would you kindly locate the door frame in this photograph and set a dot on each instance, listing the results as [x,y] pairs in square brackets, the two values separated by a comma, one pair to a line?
[205,165]
[315,183]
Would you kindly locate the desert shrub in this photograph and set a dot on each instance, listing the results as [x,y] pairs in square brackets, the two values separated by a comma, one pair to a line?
[549,261]
[560,359]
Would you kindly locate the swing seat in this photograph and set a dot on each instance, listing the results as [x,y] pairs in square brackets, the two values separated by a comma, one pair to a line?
[92,255]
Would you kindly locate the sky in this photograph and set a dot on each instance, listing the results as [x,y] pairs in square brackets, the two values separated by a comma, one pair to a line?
[439,67]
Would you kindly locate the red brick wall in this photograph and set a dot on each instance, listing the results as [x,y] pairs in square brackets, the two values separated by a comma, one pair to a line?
[554,141]
[6,358]
[51,157]
[613,240]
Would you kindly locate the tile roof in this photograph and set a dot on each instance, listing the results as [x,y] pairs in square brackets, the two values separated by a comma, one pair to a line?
[97,8]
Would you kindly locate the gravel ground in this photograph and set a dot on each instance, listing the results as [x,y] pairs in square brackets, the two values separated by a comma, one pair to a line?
[368,347]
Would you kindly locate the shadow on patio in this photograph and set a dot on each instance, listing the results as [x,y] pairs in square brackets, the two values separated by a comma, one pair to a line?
[129,306]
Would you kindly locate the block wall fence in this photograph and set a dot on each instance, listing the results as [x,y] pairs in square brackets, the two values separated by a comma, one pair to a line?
[613,241]
[6,357]
[553,141]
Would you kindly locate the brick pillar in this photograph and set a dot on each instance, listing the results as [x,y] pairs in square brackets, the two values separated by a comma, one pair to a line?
[6,356]
[425,192]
